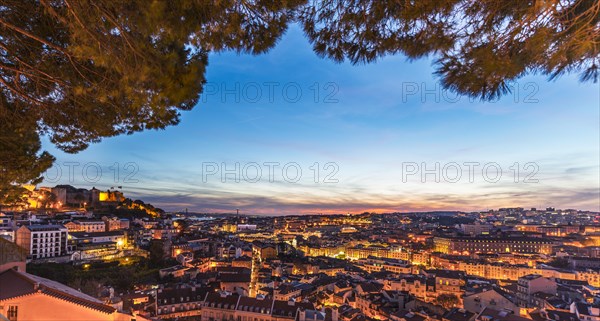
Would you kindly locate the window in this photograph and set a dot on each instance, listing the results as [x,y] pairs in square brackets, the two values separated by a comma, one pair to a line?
[12,313]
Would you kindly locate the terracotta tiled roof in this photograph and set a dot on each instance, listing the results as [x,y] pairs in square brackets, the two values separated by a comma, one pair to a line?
[79,301]
[14,284]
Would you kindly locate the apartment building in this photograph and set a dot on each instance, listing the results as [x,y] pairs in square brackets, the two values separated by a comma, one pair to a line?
[472,245]
[222,306]
[374,264]
[447,282]
[43,241]
[413,284]
[533,283]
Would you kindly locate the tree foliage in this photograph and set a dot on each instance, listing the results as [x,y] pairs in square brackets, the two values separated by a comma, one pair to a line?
[480,45]
[157,253]
[447,300]
[80,71]
[20,159]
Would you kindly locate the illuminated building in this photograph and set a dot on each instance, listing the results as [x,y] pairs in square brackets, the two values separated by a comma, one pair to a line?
[6,228]
[111,223]
[86,226]
[447,282]
[476,229]
[97,246]
[373,264]
[558,230]
[220,306]
[549,230]
[413,284]
[246,227]
[107,197]
[471,245]
[264,251]
[43,241]
[117,237]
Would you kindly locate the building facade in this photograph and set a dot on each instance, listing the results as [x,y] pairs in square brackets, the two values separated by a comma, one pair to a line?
[43,241]
[471,245]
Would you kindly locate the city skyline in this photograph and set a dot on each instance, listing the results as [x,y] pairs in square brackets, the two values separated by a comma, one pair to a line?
[369,121]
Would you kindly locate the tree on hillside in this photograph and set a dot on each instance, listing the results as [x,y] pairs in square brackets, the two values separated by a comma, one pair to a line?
[47,198]
[80,199]
[157,253]
[446,300]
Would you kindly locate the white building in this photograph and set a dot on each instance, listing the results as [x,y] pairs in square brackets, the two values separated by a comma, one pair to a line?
[246,227]
[43,241]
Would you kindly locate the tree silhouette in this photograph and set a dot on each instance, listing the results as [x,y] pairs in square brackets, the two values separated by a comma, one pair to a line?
[80,199]
[20,159]
[480,46]
[47,198]
[79,71]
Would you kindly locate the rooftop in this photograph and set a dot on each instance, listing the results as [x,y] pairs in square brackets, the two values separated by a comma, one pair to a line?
[14,284]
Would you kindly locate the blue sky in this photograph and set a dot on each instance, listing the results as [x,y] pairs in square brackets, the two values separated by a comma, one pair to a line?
[374,125]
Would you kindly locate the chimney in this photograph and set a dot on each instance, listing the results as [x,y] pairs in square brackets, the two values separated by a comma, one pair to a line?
[302,315]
